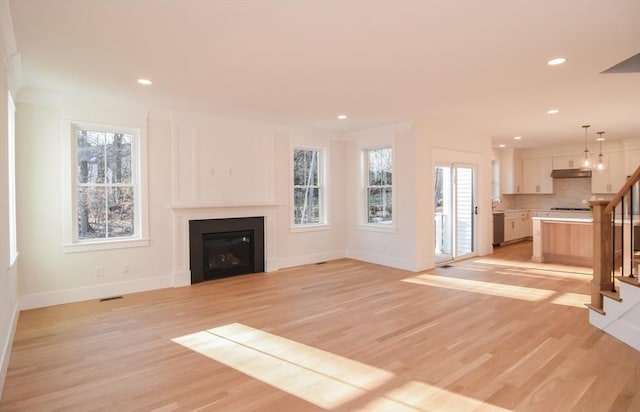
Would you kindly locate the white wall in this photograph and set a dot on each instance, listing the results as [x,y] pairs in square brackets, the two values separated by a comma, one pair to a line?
[451,142]
[8,272]
[395,246]
[49,275]
[417,147]
[198,165]
[300,247]
[226,167]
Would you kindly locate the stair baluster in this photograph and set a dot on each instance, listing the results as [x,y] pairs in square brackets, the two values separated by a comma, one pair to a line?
[631,229]
[613,250]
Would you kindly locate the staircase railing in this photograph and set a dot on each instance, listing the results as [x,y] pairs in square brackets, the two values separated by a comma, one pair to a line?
[615,245]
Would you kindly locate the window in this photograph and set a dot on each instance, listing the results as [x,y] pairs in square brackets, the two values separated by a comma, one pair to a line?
[11,137]
[308,192]
[379,186]
[106,184]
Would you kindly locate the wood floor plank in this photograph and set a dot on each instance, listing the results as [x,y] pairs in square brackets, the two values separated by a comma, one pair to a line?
[490,333]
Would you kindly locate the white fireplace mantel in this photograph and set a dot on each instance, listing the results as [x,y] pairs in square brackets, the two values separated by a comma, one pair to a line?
[208,205]
[184,212]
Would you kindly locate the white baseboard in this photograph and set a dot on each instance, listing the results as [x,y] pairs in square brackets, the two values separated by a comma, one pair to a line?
[271,265]
[58,297]
[625,331]
[383,260]
[310,259]
[6,347]
[182,278]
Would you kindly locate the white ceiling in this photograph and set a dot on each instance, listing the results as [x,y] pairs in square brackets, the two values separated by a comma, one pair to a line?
[480,64]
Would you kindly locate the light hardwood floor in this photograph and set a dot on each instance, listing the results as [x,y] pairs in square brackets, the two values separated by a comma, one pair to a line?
[488,334]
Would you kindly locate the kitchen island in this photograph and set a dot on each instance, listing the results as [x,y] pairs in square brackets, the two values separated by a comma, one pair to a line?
[563,240]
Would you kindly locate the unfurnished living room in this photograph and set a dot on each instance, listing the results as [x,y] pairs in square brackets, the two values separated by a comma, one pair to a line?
[319,205]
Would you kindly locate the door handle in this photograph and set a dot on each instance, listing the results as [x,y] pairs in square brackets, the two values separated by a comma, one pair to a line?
[475,210]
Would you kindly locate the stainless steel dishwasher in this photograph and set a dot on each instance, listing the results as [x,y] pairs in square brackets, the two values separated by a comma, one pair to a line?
[498,228]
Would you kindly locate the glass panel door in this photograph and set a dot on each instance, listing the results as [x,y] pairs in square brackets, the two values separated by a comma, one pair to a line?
[464,211]
[454,212]
[443,213]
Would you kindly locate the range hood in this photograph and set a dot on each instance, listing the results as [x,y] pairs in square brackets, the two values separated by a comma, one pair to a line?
[570,173]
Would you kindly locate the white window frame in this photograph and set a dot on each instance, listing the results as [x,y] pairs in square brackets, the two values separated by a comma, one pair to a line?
[71,242]
[322,186]
[377,226]
[11,161]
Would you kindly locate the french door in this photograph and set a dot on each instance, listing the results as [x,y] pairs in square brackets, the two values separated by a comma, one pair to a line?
[455,211]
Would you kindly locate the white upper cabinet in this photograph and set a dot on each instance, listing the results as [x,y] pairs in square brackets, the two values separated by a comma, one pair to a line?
[632,161]
[536,176]
[510,172]
[566,162]
[529,175]
[612,178]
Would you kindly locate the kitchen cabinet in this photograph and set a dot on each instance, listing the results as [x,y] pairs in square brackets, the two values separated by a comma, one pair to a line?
[566,162]
[632,158]
[510,172]
[536,176]
[612,178]
[517,225]
[517,175]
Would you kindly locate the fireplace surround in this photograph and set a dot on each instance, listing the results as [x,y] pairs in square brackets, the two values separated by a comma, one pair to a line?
[225,247]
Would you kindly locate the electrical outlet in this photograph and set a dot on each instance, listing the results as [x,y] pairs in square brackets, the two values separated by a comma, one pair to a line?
[125,268]
[99,271]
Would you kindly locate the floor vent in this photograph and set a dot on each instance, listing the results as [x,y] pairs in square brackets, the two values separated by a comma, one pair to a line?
[111,298]
[447,266]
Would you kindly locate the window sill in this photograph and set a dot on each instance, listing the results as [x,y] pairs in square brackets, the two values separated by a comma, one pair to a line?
[309,228]
[376,227]
[104,245]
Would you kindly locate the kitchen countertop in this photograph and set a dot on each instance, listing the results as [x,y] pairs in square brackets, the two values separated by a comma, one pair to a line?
[546,213]
[563,219]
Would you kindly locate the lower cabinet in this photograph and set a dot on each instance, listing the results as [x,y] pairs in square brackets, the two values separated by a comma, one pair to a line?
[510,230]
[517,226]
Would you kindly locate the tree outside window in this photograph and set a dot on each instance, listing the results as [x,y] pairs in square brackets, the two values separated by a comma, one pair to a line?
[106,185]
[379,187]
[307,187]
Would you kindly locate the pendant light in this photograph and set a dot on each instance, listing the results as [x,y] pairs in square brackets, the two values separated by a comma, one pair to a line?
[586,162]
[601,166]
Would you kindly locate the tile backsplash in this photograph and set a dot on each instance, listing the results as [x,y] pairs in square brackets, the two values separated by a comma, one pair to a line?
[566,193]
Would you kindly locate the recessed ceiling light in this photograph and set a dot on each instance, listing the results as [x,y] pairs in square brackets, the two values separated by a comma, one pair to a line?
[145,82]
[502,145]
[342,116]
[517,138]
[556,61]
[552,111]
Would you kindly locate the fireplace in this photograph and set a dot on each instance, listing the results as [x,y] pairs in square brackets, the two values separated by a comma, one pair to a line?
[220,248]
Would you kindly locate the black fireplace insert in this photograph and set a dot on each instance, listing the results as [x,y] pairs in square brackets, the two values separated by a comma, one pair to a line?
[225,247]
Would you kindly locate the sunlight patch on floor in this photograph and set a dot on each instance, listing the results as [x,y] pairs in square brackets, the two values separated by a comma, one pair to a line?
[555,267]
[418,396]
[544,274]
[577,300]
[501,290]
[487,288]
[318,377]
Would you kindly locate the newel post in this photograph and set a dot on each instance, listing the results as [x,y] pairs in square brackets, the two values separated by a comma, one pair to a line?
[601,251]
